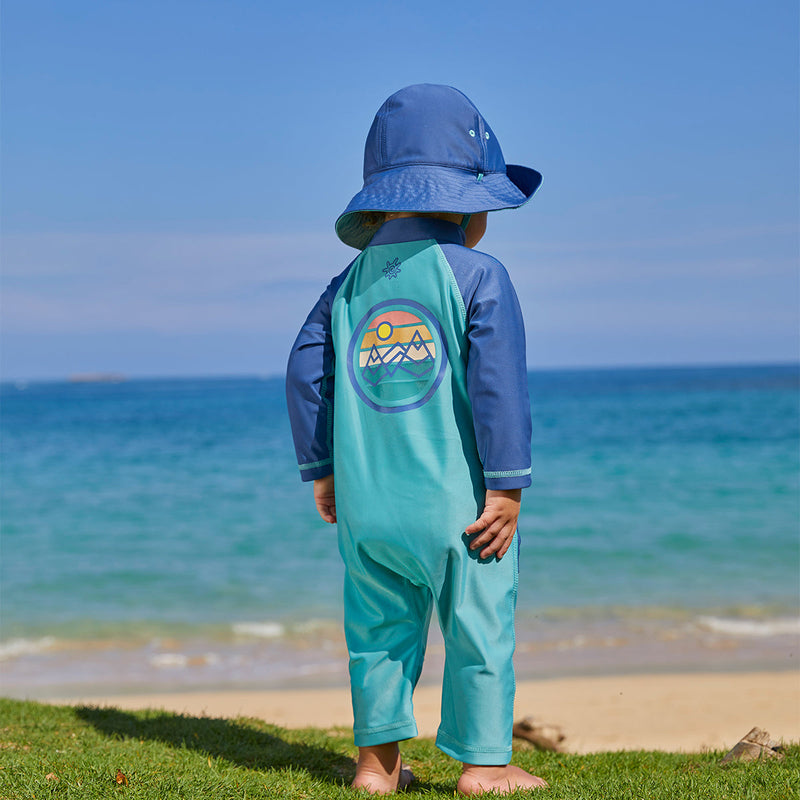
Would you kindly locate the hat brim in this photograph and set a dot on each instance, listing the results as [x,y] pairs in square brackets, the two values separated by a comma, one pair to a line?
[427,189]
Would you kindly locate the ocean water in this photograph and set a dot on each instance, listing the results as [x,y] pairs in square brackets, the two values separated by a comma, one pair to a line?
[155,533]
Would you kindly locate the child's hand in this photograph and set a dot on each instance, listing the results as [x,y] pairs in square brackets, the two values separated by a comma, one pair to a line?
[498,523]
[325,498]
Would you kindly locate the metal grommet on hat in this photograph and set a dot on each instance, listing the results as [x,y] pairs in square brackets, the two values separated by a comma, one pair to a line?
[430,150]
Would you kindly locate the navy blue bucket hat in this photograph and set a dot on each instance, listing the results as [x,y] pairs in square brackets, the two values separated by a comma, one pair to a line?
[430,150]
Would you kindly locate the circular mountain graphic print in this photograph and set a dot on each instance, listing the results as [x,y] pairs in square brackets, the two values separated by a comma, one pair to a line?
[397,356]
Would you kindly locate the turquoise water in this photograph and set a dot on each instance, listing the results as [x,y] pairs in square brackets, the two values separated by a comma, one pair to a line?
[163,523]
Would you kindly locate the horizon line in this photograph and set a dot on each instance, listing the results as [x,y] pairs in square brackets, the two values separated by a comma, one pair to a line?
[113,377]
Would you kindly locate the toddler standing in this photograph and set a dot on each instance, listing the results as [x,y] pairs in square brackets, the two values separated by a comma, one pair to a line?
[407,394]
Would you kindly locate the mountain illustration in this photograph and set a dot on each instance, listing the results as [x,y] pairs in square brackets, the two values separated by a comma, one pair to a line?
[413,358]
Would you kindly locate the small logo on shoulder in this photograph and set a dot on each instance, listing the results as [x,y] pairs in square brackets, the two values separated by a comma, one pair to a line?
[392,269]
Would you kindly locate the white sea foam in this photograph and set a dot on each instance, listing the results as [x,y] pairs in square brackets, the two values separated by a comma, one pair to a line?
[169,660]
[315,626]
[784,626]
[319,668]
[14,648]
[260,630]
[180,660]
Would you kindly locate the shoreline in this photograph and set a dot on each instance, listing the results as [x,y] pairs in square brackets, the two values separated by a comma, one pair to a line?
[677,712]
[272,655]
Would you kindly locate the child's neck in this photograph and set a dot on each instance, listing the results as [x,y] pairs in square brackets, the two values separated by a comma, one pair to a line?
[456,218]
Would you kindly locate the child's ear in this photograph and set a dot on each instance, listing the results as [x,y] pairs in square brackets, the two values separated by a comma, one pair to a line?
[476,228]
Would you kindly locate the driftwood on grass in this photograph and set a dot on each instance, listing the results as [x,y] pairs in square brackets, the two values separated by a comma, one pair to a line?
[542,735]
[752,746]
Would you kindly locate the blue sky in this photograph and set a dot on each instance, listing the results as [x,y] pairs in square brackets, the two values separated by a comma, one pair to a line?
[172,170]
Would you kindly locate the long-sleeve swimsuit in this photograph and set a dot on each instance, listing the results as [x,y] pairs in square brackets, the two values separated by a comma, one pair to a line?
[408,382]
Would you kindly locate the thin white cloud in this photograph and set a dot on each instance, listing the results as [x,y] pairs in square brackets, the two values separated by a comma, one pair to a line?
[580,301]
[214,259]
[713,237]
[164,282]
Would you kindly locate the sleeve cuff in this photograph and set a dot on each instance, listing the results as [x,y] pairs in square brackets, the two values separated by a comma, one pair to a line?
[316,470]
[507,479]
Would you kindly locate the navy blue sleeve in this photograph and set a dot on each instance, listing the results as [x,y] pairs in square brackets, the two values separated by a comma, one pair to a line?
[497,373]
[309,388]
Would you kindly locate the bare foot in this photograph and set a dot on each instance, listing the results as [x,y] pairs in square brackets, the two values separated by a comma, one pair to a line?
[476,780]
[380,771]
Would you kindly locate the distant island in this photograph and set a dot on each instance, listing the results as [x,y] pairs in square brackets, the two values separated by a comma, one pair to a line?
[97,377]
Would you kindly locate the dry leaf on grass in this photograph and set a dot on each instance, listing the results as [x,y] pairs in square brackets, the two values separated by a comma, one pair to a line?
[753,746]
[543,736]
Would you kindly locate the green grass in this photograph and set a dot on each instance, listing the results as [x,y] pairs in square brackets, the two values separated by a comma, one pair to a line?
[76,752]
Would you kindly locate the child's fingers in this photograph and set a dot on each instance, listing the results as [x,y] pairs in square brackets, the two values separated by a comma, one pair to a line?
[490,522]
[486,527]
[476,526]
[489,535]
[505,548]
[327,511]
[325,498]
[480,541]
[499,545]
[495,530]
[495,540]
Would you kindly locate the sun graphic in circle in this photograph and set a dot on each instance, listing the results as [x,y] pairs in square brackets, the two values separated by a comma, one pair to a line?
[397,356]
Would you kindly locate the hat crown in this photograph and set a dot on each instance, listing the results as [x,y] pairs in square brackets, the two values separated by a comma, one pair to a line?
[433,125]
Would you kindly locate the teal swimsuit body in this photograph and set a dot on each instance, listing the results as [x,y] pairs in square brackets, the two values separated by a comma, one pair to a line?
[409,479]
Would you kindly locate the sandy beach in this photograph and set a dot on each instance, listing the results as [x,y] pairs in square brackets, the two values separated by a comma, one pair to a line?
[673,712]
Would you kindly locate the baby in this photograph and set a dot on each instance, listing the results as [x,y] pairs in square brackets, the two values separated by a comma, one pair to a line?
[407,395]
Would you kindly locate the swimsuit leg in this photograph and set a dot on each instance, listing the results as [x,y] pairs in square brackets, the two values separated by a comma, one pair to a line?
[386,627]
[476,612]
